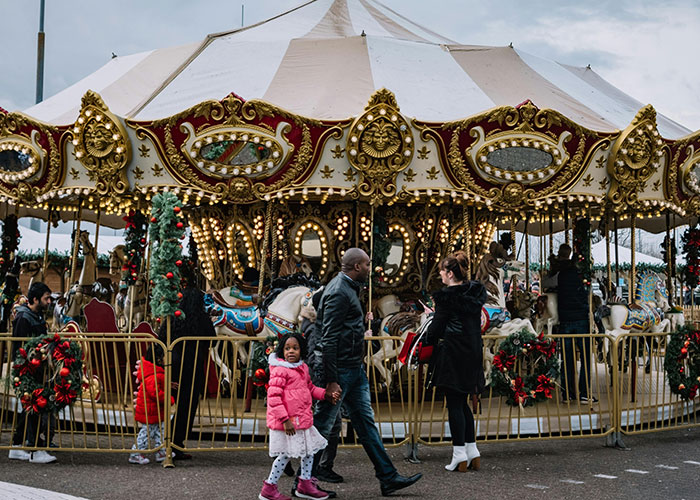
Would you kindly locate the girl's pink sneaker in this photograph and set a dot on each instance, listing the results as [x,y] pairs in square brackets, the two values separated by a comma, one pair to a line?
[270,492]
[307,489]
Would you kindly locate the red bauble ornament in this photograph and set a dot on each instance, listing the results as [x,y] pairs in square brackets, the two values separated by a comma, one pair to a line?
[179,225]
[143,241]
[35,362]
[178,263]
[176,210]
[169,275]
[64,372]
[260,373]
[178,313]
[179,295]
[41,402]
[154,220]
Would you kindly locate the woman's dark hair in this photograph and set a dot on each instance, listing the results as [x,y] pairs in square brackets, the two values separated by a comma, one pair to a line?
[196,322]
[154,353]
[458,263]
[296,335]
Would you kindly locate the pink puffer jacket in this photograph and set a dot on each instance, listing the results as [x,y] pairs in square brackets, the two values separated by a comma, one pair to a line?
[289,394]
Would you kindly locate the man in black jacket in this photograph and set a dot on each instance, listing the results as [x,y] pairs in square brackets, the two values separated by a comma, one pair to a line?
[573,309]
[31,428]
[341,322]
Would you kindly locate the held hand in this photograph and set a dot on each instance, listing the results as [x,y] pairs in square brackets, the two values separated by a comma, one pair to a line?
[333,387]
[369,317]
[332,397]
[174,385]
[289,428]
[368,333]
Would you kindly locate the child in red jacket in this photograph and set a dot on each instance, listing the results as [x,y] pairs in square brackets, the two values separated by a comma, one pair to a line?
[150,408]
[290,418]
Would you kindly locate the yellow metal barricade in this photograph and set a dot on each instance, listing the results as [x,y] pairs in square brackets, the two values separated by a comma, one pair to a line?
[644,399]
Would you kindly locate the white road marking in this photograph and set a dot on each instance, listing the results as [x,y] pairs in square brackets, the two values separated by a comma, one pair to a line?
[10,491]
[570,481]
[537,486]
[691,462]
[604,476]
[637,471]
[667,467]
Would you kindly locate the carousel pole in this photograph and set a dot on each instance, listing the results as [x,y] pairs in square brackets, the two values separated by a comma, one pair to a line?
[669,259]
[527,253]
[567,239]
[263,252]
[371,256]
[97,239]
[466,238]
[76,237]
[551,233]
[46,250]
[473,250]
[607,253]
[617,257]
[168,463]
[512,237]
[273,253]
[633,271]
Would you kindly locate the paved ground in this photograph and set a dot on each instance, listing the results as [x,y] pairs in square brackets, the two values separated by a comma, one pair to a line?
[663,465]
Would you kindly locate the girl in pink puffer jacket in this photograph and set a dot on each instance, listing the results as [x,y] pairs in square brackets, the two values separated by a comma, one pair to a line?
[290,417]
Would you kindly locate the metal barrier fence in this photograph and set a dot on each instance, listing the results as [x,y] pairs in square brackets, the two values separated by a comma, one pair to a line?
[626,377]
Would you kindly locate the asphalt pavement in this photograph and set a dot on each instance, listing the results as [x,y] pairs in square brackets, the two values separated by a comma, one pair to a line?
[664,465]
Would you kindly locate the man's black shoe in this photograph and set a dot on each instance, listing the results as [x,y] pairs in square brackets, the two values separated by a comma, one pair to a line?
[399,482]
[328,476]
[331,494]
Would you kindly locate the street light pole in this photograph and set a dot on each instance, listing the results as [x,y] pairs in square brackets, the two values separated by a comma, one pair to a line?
[40,57]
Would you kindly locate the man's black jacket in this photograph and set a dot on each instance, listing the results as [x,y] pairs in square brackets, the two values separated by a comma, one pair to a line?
[27,324]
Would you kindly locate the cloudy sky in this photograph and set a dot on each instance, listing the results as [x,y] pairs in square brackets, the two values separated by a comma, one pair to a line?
[645,48]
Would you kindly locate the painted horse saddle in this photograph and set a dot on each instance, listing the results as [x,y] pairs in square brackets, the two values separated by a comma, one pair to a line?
[243,320]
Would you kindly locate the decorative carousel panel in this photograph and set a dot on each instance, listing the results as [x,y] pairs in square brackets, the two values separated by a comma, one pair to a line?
[102,145]
[240,151]
[311,243]
[30,159]
[683,174]
[513,157]
[399,257]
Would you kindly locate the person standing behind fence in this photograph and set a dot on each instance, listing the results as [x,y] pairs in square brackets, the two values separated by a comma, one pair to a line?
[149,409]
[342,327]
[456,367]
[31,429]
[573,310]
[189,363]
[290,419]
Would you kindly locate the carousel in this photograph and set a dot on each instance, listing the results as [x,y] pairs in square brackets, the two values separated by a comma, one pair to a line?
[340,123]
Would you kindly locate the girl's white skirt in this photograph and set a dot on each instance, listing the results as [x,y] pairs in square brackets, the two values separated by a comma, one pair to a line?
[304,442]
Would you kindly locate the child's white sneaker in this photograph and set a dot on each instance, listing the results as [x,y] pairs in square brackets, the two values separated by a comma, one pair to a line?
[138,459]
[17,453]
[161,454]
[41,457]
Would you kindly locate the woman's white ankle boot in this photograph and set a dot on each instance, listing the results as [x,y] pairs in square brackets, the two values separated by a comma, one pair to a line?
[473,456]
[459,459]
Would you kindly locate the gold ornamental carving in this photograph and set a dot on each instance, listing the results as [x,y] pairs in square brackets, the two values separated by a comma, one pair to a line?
[634,158]
[379,146]
[102,145]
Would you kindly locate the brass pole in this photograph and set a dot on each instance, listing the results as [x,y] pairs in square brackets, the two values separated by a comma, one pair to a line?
[669,260]
[371,256]
[512,236]
[97,239]
[466,238]
[633,270]
[607,253]
[46,250]
[526,235]
[74,261]
[263,253]
[617,257]
[168,463]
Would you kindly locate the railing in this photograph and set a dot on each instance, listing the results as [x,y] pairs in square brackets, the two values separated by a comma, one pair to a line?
[626,376]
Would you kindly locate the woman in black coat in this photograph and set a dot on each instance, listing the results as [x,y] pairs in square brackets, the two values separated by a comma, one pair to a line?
[189,363]
[456,365]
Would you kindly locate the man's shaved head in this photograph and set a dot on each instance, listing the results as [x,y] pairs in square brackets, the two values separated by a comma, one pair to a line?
[352,257]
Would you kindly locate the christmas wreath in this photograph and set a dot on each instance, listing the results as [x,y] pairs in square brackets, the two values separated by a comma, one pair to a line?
[47,374]
[534,356]
[167,229]
[135,238]
[682,362]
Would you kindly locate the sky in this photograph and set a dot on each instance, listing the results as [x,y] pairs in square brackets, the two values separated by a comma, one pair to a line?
[645,48]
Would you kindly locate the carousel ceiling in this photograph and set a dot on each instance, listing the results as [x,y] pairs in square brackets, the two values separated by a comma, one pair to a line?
[447,129]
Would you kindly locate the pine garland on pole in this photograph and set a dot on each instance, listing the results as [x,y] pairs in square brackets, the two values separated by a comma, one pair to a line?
[691,248]
[167,228]
[135,237]
[10,243]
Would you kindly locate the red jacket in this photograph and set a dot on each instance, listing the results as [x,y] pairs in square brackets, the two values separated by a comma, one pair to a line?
[290,394]
[150,402]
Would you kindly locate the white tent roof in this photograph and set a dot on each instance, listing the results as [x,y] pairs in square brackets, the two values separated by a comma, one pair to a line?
[315,60]
[625,255]
[35,241]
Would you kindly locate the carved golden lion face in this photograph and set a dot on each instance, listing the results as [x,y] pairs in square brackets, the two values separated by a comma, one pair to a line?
[381,139]
[98,139]
[640,150]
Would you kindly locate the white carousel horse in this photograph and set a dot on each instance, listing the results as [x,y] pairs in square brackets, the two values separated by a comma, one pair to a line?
[495,318]
[34,269]
[295,264]
[647,315]
[394,324]
[234,314]
[78,295]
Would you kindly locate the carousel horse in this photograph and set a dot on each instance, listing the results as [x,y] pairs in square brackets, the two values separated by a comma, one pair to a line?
[235,314]
[34,269]
[295,264]
[123,298]
[395,323]
[495,318]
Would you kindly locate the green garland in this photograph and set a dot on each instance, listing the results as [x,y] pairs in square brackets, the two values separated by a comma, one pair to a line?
[682,362]
[258,367]
[47,374]
[135,238]
[525,350]
[167,228]
[59,260]
[691,248]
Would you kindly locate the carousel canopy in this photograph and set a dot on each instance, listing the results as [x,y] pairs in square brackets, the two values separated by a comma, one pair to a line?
[325,59]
